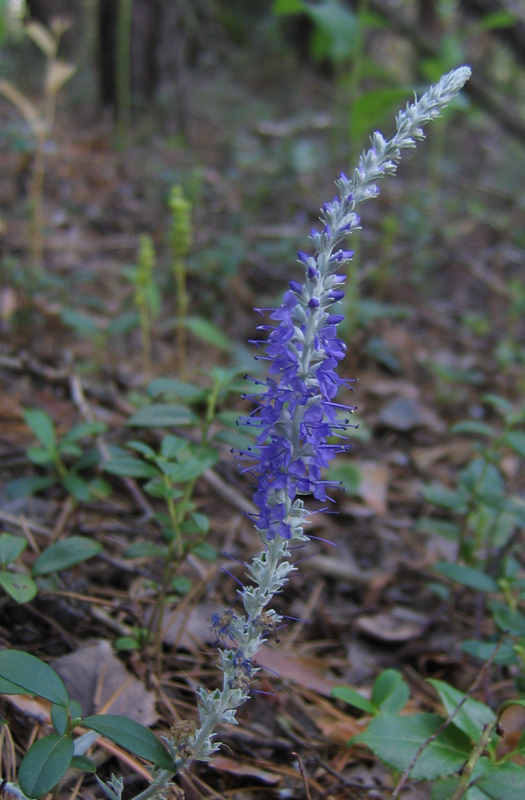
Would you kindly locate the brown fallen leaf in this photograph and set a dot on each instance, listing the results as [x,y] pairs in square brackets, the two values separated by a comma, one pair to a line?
[307,671]
[95,677]
[235,767]
[373,487]
[400,624]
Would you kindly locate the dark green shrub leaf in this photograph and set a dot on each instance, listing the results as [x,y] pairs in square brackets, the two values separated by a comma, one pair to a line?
[445,498]
[172,446]
[39,456]
[353,698]
[474,427]
[208,333]
[11,547]
[42,426]
[502,781]
[131,468]
[156,488]
[132,736]
[33,675]
[485,650]
[23,487]
[396,740]
[59,718]
[516,441]
[145,449]
[205,550]
[84,763]
[441,527]
[185,391]
[84,430]
[162,415]
[66,553]
[77,488]
[144,550]
[197,525]
[44,764]
[390,692]
[467,576]
[180,584]
[201,459]
[472,716]
[20,587]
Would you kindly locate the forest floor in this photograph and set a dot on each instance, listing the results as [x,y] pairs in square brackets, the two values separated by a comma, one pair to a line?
[437,328]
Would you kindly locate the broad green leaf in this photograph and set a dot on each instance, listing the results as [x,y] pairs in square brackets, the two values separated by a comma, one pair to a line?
[205,550]
[369,110]
[42,426]
[197,525]
[474,427]
[69,449]
[472,716]
[482,479]
[126,643]
[467,576]
[353,698]
[33,675]
[6,687]
[444,789]
[66,553]
[23,487]
[208,333]
[59,718]
[20,587]
[132,736]
[156,488]
[45,764]
[145,550]
[172,446]
[77,487]
[11,547]
[502,781]
[181,389]
[390,691]
[79,322]
[485,650]
[39,455]
[131,468]
[145,449]
[84,763]
[162,415]
[506,619]
[84,430]
[441,527]
[445,498]
[349,475]
[192,467]
[181,584]
[516,440]
[396,740]
[501,403]
[337,30]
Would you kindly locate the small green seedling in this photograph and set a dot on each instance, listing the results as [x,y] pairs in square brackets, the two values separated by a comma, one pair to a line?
[56,455]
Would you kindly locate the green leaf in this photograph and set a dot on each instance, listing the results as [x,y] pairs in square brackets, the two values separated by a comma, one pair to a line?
[445,498]
[80,323]
[396,740]
[44,764]
[162,415]
[467,576]
[208,333]
[147,451]
[336,33]
[472,716]
[84,763]
[202,459]
[494,21]
[485,650]
[516,441]
[131,468]
[42,426]
[23,487]
[39,455]
[181,584]
[441,527]
[390,692]
[20,587]
[84,430]
[205,550]
[353,698]
[369,110]
[11,547]
[474,427]
[197,525]
[126,643]
[181,389]
[145,550]
[284,7]
[132,736]
[66,553]
[77,487]
[33,675]
[156,488]
[502,781]
[171,446]
[59,718]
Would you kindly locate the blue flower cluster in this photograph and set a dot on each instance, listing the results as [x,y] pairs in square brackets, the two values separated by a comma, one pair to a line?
[296,415]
